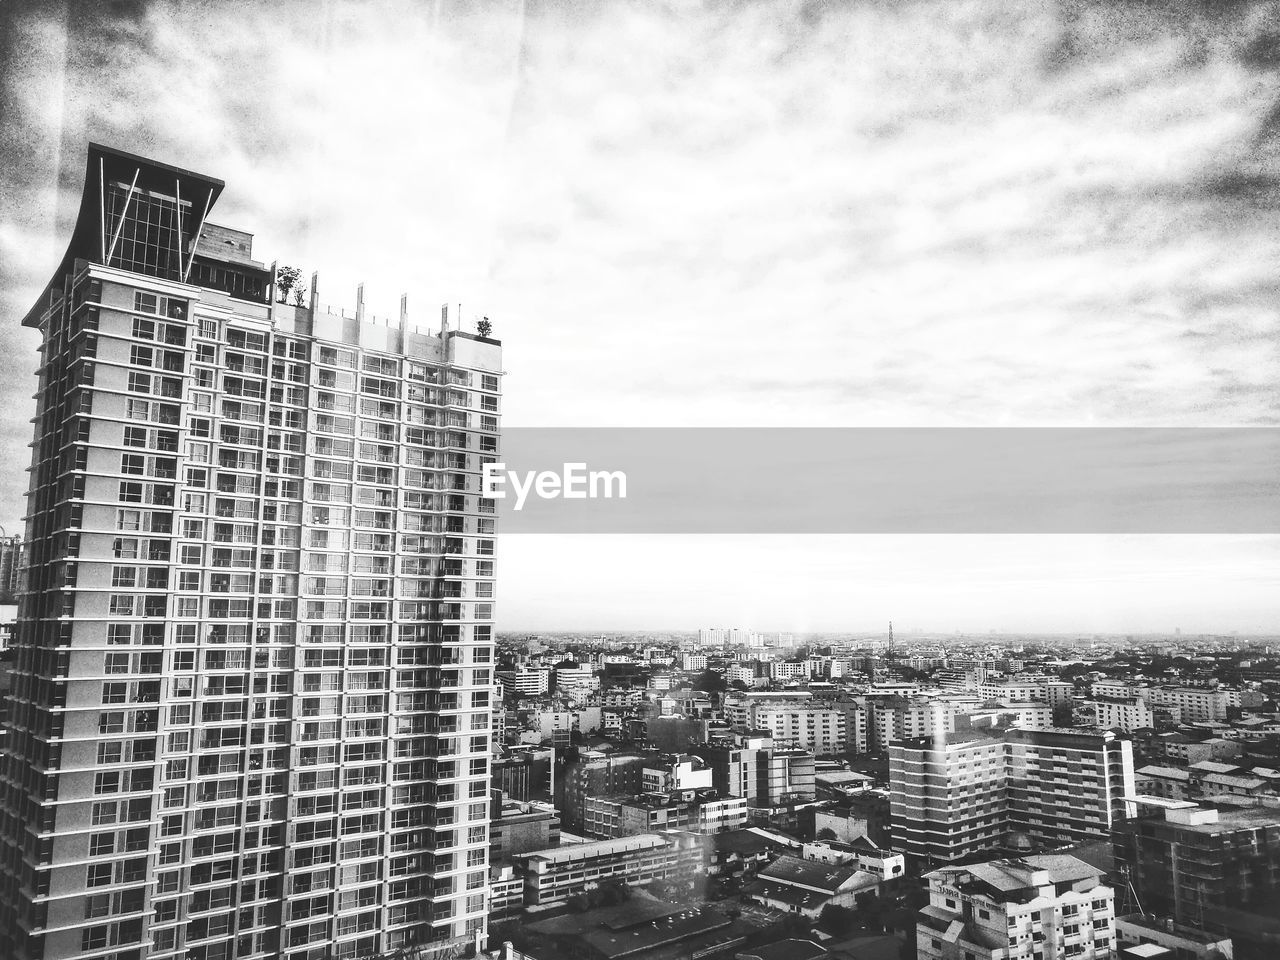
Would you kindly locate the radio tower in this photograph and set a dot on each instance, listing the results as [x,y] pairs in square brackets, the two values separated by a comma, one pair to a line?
[888,653]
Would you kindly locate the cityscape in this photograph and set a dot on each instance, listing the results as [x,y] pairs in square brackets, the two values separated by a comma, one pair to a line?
[288,673]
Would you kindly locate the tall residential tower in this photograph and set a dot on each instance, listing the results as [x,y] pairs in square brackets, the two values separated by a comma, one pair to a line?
[251,695]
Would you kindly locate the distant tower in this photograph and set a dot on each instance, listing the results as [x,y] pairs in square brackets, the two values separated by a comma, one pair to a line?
[888,654]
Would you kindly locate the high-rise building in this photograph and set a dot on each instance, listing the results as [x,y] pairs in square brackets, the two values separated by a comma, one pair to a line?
[954,795]
[10,568]
[251,693]
[1067,786]
[947,797]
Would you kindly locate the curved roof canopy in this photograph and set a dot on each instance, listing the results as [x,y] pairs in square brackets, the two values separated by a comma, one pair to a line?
[105,204]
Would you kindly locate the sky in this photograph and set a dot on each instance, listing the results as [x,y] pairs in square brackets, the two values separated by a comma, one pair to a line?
[881,213]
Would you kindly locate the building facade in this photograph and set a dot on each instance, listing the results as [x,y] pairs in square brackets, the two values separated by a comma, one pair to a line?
[1067,786]
[251,704]
[1035,907]
[10,568]
[556,874]
[1213,868]
[956,795]
[947,796]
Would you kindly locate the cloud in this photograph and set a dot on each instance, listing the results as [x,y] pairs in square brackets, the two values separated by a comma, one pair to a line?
[757,214]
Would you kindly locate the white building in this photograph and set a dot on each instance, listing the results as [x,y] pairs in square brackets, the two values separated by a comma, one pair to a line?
[1128,714]
[694,662]
[532,681]
[790,669]
[681,773]
[1011,909]
[576,680]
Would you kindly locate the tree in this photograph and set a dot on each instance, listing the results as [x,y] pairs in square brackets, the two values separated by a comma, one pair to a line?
[286,279]
[710,681]
[615,891]
[298,294]
[797,925]
[826,833]
[484,327]
[836,920]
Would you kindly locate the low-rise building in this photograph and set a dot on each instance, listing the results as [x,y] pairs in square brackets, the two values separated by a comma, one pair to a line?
[516,827]
[556,874]
[807,887]
[1038,906]
[700,811]
[506,891]
[1170,783]
[1183,942]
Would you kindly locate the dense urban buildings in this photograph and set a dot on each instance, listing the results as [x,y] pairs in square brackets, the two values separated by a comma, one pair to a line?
[257,708]
[250,707]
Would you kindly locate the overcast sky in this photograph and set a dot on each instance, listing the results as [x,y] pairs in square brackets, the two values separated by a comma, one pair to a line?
[737,214]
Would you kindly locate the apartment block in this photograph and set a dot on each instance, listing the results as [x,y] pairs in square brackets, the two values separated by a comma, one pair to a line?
[1213,868]
[1024,716]
[1033,908]
[598,775]
[956,795]
[821,725]
[530,681]
[947,796]
[693,662]
[752,767]
[253,662]
[576,681]
[1123,713]
[1193,704]
[1067,786]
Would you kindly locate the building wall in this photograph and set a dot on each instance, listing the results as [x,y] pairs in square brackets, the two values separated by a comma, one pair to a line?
[634,860]
[947,798]
[954,796]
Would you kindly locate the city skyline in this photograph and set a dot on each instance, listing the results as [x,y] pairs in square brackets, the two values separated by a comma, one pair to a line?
[963,215]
